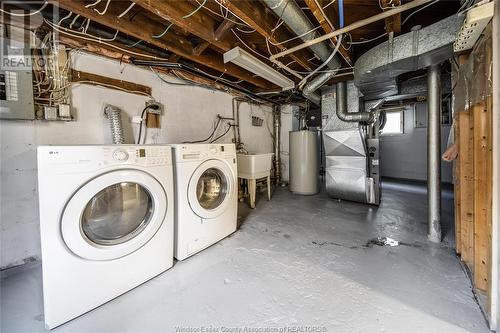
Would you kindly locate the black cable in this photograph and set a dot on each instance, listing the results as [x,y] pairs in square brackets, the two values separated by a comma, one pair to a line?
[223,134]
[140,124]
[151,106]
[210,136]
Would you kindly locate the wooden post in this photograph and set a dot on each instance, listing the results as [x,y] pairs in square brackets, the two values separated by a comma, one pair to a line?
[456,188]
[482,195]
[466,181]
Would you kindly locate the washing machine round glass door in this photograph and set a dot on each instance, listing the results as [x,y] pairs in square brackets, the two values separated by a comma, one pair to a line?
[113,215]
[211,188]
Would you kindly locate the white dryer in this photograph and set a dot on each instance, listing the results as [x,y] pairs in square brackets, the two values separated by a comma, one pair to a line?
[106,223]
[206,196]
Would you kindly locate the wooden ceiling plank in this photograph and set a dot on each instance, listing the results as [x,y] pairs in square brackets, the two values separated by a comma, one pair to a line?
[256,15]
[147,28]
[318,14]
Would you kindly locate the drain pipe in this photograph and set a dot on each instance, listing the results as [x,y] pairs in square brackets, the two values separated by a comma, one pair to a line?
[434,153]
[277,143]
[364,117]
[295,19]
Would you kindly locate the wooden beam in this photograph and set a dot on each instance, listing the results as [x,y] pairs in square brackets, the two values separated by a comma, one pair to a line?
[319,14]
[148,28]
[108,52]
[456,189]
[219,34]
[466,181]
[392,23]
[263,21]
[95,79]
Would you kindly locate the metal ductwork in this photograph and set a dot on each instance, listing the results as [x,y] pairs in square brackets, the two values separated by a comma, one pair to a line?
[359,117]
[376,71]
[289,11]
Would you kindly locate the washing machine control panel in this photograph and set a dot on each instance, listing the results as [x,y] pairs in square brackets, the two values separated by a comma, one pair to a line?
[120,155]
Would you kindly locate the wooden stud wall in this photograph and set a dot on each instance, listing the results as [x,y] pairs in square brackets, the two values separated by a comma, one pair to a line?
[473,185]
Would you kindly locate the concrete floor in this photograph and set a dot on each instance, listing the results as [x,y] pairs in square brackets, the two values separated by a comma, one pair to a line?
[295,261]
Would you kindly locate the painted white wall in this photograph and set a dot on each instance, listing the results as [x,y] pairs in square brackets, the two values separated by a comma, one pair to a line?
[189,115]
[405,155]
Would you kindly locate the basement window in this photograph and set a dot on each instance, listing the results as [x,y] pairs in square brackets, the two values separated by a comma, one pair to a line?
[394,124]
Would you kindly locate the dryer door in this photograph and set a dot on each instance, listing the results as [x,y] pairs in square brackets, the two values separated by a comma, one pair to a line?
[211,188]
[113,215]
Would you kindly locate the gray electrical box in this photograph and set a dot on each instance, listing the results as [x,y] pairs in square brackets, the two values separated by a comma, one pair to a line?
[16,94]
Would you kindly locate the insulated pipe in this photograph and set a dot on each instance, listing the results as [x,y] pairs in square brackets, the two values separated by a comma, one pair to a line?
[366,117]
[434,153]
[312,86]
[289,11]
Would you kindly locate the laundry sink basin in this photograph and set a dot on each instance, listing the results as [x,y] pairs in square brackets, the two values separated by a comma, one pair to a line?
[254,166]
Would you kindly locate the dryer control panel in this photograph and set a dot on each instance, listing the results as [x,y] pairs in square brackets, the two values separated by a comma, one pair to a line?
[197,152]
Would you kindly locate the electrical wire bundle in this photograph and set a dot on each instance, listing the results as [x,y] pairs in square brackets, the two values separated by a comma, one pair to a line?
[50,78]
[210,138]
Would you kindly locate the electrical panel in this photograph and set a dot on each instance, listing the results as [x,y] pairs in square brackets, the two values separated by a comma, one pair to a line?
[16,94]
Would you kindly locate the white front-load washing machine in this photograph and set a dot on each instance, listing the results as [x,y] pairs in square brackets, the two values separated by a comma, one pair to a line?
[206,196]
[106,223]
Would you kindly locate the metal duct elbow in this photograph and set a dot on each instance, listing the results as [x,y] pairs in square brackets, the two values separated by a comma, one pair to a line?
[113,113]
[314,85]
[359,117]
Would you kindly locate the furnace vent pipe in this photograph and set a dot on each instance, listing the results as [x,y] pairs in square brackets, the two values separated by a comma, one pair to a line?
[113,113]
[434,153]
[363,117]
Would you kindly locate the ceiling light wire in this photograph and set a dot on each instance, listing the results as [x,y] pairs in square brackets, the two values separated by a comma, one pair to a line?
[127,10]
[422,8]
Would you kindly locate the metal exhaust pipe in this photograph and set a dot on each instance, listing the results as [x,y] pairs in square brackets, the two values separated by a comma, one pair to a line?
[365,117]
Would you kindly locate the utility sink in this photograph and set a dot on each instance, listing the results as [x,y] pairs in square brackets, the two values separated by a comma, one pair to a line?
[254,166]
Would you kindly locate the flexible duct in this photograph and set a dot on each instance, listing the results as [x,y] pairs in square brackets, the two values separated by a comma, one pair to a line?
[366,117]
[289,11]
[115,123]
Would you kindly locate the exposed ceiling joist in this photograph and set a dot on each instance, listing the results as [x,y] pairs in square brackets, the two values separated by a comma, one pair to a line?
[186,16]
[392,23]
[219,34]
[259,18]
[320,15]
[148,28]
